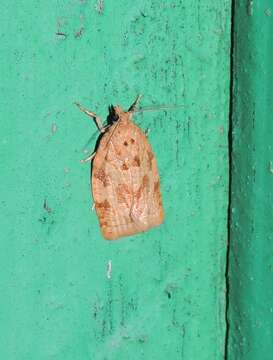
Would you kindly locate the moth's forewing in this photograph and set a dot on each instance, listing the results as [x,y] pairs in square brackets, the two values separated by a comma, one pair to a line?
[125,182]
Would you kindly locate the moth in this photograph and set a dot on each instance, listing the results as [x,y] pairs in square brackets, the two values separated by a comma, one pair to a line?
[124,176]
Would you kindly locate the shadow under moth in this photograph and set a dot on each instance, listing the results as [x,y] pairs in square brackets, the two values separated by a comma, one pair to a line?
[125,180]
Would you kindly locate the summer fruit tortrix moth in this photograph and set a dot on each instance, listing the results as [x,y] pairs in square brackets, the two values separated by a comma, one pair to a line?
[125,179]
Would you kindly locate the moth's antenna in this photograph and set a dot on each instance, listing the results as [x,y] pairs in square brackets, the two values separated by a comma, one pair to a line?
[84,110]
[92,115]
[133,107]
[159,108]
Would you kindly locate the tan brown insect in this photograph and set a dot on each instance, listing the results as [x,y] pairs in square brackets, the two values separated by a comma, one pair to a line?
[125,180]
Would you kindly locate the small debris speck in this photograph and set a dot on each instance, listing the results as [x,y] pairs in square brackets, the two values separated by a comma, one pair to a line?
[46,207]
[61,35]
[53,128]
[79,33]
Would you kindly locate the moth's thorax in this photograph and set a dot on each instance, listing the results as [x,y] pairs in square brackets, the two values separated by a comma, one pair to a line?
[124,116]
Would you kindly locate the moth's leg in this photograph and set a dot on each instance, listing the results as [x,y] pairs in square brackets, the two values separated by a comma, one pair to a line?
[147,131]
[135,104]
[92,115]
[89,158]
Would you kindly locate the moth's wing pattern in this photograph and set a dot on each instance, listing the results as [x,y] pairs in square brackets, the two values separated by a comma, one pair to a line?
[125,182]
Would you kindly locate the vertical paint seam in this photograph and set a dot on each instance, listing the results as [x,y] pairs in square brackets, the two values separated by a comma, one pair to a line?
[230,160]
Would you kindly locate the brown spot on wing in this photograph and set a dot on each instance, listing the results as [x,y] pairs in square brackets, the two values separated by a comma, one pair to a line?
[157,193]
[136,161]
[156,187]
[145,181]
[140,190]
[101,175]
[104,210]
[138,193]
[150,158]
[104,205]
[124,166]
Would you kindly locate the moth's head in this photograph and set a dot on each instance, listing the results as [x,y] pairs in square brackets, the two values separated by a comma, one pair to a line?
[119,111]
[116,113]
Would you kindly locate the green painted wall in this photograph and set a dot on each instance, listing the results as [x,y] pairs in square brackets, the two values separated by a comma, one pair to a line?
[166,295]
[251,260]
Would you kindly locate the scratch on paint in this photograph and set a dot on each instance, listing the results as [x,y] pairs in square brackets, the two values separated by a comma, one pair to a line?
[109,270]
[46,207]
[271,167]
[250,7]
[61,35]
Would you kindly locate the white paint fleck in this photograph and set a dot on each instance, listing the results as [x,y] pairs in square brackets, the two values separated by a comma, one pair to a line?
[271,167]
[109,270]
[53,128]
[250,7]
[221,129]
[93,207]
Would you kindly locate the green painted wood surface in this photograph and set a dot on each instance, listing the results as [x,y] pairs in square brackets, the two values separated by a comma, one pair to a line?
[166,295]
[251,260]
